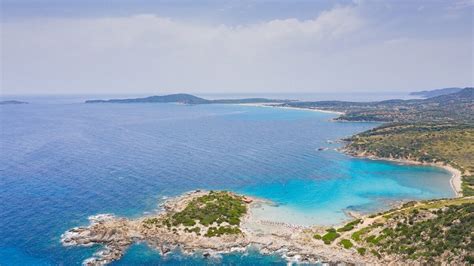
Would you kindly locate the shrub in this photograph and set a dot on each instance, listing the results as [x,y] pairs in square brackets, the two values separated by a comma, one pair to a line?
[346,243]
[349,226]
[329,237]
[361,251]
[356,236]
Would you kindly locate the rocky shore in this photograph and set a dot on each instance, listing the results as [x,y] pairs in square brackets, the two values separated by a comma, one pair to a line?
[116,234]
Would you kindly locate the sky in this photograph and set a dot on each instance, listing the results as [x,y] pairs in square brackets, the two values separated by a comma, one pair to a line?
[159,47]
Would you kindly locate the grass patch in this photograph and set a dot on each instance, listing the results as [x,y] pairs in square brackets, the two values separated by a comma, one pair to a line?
[361,251]
[349,226]
[346,243]
[356,236]
[330,236]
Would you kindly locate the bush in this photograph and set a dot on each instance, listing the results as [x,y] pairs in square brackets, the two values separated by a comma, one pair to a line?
[349,226]
[329,237]
[317,236]
[356,236]
[346,243]
[375,253]
[361,251]
[215,207]
[222,230]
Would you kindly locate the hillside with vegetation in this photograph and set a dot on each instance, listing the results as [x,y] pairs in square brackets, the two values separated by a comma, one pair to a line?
[446,143]
[435,93]
[455,107]
[427,232]
[187,99]
[437,130]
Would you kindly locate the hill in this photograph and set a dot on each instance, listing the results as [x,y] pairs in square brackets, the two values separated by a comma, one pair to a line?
[437,92]
[457,106]
[445,143]
[172,98]
[187,99]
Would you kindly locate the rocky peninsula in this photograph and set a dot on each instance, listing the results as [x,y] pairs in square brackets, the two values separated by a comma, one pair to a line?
[207,223]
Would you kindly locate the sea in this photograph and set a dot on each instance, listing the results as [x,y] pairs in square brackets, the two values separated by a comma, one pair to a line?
[62,161]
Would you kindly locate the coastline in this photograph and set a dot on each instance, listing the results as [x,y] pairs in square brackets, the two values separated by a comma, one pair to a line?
[456,176]
[117,234]
[289,241]
[278,105]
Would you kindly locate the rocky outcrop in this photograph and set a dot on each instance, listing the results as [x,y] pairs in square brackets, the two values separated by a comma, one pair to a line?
[117,234]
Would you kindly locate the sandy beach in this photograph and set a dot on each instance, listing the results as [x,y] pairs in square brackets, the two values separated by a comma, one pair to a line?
[456,175]
[277,105]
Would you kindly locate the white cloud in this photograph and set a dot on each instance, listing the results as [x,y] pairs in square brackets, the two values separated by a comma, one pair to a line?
[147,53]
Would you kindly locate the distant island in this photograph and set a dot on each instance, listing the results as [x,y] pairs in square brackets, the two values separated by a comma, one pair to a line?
[12,102]
[437,92]
[187,99]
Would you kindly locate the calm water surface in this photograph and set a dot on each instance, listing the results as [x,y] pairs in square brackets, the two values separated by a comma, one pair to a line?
[60,163]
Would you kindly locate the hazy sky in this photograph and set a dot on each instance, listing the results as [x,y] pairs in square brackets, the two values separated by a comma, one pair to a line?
[156,47]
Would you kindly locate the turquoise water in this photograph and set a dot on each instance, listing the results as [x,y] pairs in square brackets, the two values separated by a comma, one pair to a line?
[60,163]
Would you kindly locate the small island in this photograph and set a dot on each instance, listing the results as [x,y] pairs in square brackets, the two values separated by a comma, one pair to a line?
[12,102]
[184,98]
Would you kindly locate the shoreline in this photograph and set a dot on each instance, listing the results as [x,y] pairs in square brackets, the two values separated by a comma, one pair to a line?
[277,105]
[456,176]
[117,234]
[294,243]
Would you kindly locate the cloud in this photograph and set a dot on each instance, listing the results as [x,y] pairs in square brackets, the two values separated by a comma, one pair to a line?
[148,53]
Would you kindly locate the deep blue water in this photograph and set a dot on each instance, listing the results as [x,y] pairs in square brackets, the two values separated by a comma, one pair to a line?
[60,163]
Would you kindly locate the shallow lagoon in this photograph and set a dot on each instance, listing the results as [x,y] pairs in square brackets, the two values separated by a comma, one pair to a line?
[61,163]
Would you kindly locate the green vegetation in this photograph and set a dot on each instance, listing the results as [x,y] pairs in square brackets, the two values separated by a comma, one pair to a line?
[468,185]
[330,236]
[216,208]
[427,232]
[435,130]
[151,221]
[184,98]
[455,107]
[317,236]
[222,230]
[346,243]
[349,226]
[356,236]
[196,230]
[361,251]
[450,231]
[375,253]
